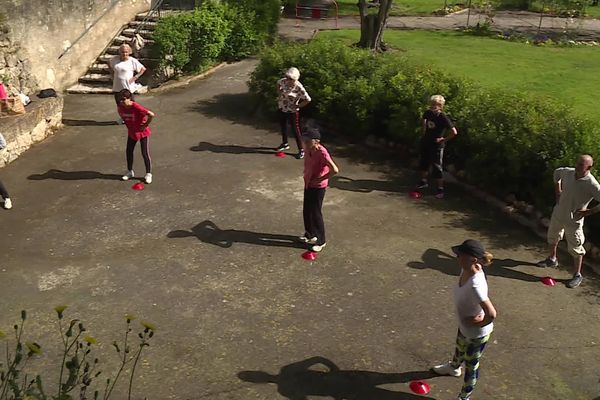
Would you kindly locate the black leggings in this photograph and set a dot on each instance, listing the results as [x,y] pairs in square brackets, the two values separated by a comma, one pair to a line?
[144,142]
[290,119]
[3,191]
[313,215]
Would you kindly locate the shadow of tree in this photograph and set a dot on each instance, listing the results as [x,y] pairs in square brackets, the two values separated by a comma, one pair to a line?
[297,381]
[239,108]
[72,175]
[208,232]
[446,263]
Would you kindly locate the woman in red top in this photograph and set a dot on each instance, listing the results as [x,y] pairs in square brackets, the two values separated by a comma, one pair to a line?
[318,168]
[137,119]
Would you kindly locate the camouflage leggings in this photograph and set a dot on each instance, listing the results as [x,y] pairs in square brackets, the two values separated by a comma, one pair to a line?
[469,352]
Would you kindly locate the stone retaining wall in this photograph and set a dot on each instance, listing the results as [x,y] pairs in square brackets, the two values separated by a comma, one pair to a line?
[42,118]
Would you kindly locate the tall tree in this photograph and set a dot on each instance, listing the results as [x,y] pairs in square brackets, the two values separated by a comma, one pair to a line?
[373,23]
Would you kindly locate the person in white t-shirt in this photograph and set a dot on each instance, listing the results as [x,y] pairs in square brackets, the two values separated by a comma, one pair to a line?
[574,189]
[125,71]
[475,313]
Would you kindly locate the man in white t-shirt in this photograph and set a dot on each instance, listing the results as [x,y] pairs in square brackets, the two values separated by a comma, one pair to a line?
[574,188]
[125,71]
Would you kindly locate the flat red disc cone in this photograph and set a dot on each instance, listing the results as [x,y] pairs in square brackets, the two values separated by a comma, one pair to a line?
[309,255]
[138,186]
[548,281]
[415,194]
[280,154]
[419,387]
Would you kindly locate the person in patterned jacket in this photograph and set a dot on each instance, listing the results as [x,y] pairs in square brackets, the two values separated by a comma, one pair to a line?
[292,97]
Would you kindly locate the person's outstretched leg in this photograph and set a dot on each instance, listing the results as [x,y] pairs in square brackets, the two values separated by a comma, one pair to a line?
[295,122]
[5,196]
[283,122]
[472,356]
[145,147]
[129,156]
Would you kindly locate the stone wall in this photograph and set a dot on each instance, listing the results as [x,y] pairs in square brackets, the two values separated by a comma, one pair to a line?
[61,38]
[15,68]
[42,118]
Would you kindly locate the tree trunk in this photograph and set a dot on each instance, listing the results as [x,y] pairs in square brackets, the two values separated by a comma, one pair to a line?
[372,25]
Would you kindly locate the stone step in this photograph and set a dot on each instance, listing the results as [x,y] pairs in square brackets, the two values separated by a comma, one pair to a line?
[99,69]
[148,25]
[124,39]
[146,34]
[89,89]
[96,79]
[141,16]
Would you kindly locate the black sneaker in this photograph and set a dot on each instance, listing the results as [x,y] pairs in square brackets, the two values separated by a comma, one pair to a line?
[300,155]
[283,146]
[422,185]
[575,281]
[549,263]
[439,194]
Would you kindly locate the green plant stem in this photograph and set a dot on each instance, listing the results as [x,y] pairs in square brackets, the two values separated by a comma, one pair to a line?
[137,358]
[123,363]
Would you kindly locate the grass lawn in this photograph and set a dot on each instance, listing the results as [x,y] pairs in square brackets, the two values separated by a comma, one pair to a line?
[569,74]
[400,7]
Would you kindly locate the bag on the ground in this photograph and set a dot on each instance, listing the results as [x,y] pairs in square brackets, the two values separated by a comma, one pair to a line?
[12,105]
[47,93]
[2,142]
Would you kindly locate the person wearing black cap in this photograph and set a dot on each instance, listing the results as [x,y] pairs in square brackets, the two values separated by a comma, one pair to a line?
[318,168]
[475,313]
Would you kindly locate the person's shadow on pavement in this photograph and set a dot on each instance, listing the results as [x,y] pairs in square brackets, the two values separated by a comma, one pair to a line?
[296,381]
[208,232]
[446,263]
[72,175]
[364,185]
[232,149]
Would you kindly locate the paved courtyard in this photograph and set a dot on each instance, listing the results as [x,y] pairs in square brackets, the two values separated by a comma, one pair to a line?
[207,254]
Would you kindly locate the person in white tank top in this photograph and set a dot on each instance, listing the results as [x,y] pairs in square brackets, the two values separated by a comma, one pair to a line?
[475,313]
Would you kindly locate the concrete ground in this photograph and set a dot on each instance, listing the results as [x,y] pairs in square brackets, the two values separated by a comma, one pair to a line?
[206,252]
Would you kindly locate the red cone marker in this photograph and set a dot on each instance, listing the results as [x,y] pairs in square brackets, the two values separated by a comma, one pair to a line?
[138,186]
[280,154]
[548,281]
[309,255]
[415,194]
[419,387]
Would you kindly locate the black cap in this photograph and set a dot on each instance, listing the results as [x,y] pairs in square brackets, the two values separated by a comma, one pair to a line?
[470,247]
[312,133]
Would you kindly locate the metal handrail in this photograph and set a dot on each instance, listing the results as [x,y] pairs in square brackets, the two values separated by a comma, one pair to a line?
[150,14]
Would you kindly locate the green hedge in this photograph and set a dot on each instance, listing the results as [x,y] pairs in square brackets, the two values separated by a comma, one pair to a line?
[509,142]
[230,30]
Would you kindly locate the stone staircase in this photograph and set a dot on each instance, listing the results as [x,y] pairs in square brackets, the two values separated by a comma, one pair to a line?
[97,80]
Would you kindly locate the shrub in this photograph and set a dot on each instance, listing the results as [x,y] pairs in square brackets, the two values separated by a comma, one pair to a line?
[244,38]
[267,14]
[509,142]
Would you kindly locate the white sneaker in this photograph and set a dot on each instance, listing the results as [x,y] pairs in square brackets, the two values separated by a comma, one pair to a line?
[128,176]
[7,204]
[447,369]
[307,240]
[148,178]
[318,247]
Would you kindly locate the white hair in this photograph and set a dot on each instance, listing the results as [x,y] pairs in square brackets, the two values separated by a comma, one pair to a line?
[438,99]
[293,73]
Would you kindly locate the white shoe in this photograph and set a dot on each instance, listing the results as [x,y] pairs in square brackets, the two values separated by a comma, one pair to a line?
[148,178]
[447,369]
[307,240]
[7,204]
[318,247]
[128,176]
